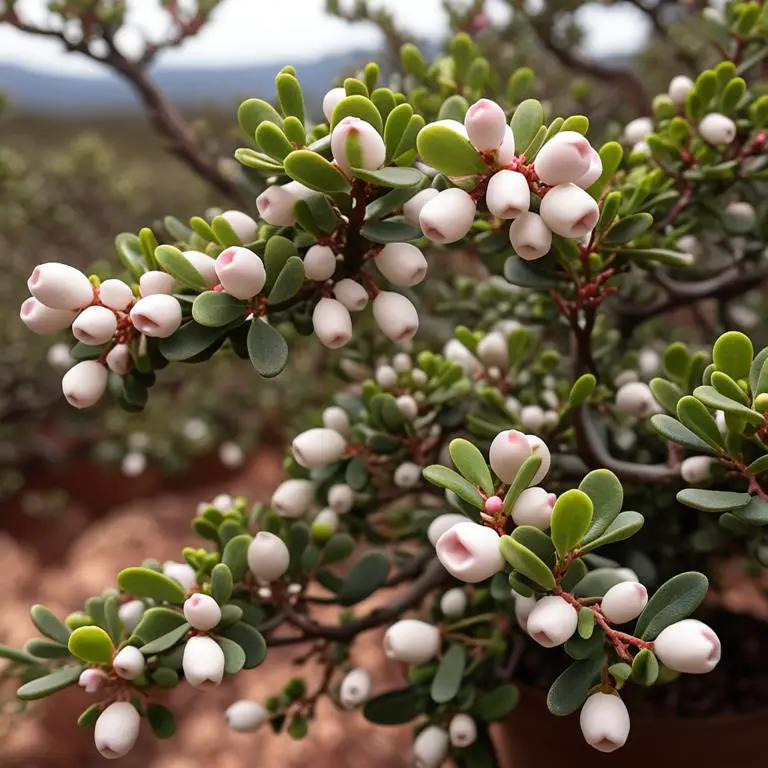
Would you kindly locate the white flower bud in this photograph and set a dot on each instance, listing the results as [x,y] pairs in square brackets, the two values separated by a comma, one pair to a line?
[407,475]
[325,524]
[119,359]
[205,265]
[203,662]
[275,203]
[133,464]
[470,552]
[506,152]
[318,447]
[241,272]
[448,217]
[485,122]
[336,418]
[649,361]
[637,130]
[624,602]
[539,448]
[641,148]
[128,663]
[268,556]
[44,320]
[60,356]
[402,363]
[91,680]
[594,172]
[319,263]
[688,646]
[443,523]
[351,294]
[604,721]
[231,455]
[357,144]
[332,323]
[116,730]
[243,225]
[158,316]
[155,282]
[412,209]
[625,377]
[94,326]
[717,129]
[679,88]
[341,498]
[408,406]
[181,573]
[223,501]
[564,159]
[552,621]
[534,507]
[402,264]
[453,604]
[386,377]
[130,614]
[697,470]
[84,384]
[508,194]
[412,641]
[293,497]
[60,286]
[743,212]
[569,211]
[395,315]
[523,608]
[419,378]
[532,417]
[245,716]
[430,747]
[456,352]
[330,100]
[202,611]
[355,688]
[462,730]
[636,399]
[115,294]
[508,451]
[531,238]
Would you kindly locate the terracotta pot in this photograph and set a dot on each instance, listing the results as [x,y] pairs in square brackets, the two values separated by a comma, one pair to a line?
[534,737]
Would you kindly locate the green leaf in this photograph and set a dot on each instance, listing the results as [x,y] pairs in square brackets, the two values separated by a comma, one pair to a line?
[713,501]
[495,704]
[725,385]
[257,160]
[161,720]
[288,282]
[579,648]
[394,230]
[235,556]
[571,517]
[234,655]
[49,625]
[405,153]
[581,390]
[673,430]
[89,716]
[112,619]
[253,112]
[91,645]
[221,583]
[758,466]
[522,273]
[449,152]
[144,582]
[754,513]
[165,677]
[620,673]
[732,354]
[385,102]
[624,525]
[519,83]
[394,129]
[396,707]
[357,106]
[189,341]
[758,380]
[522,480]
[214,309]
[607,496]
[526,562]
[586,626]
[267,348]
[173,261]
[525,123]
[645,667]
[673,601]
[610,155]
[156,622]
[166,641]
[250,640]
[41,648]
[677,361]
[45,686]
[289,95]
[714,399]
[694,415]
[654,256]
[390,177]
[273,141]
[15,656]
[130,253]
[666,393]
[367,574]
[340,547]
[571,688]
[470,462]
[447,478]
[314,171]
[537,541]
[596,583]
[628,229]
[447,680]
[224,232]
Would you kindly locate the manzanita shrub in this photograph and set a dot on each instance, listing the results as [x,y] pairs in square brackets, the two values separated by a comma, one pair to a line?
[486,485]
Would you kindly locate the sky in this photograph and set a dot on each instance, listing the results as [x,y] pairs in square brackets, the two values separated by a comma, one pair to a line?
[251,31]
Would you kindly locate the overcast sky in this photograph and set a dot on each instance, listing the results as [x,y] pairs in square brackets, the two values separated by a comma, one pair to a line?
[244,31]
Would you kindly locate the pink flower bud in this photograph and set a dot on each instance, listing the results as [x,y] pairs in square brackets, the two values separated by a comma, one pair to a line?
[351,294]
[241,272]
[448,217]
[402,264]
[430,748]
[84,384]
[407,475]
[205,265]
[679,88]
[493,505]
[44,320]
[268,557]
[508,194]
[203,662]
[688,646]
[624,602]
[357,144]
[355,688]
[552,621]
[116,730]
[91,680]
[155,282]
[119,359]
[319,263]
[341,498]
[531,238]
[485,122]
[330,100]
[604,722]
[318,447]
[60,286]
[202,612]
[94,326]
[443,523]
[293,497]
[717,129]
[115,294]
[158,316]
[408,406]
[275,204]
[492,350]
[412,209]
[470,552]
[128,663]
[637,130]
[462,730]
[336,418]
[395,315]
[243,225]
[453,604]
[534,507]
[181,573]
[569,211]
[332,323]
[563,159]
[412,641]
[594,171]
[508,451]
[506,152]
[245,716]
[636,399]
